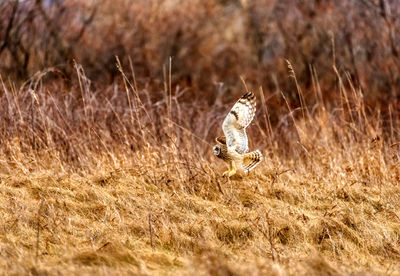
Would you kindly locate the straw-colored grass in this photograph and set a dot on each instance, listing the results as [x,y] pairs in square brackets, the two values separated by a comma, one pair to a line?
[114,181]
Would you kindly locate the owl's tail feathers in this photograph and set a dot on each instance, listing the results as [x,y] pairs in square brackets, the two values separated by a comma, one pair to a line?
[251,160]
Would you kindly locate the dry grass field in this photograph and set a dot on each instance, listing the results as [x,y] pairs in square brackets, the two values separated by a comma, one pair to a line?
[106,148]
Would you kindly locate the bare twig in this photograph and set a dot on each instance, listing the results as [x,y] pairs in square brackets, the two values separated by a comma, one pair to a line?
[9,26]
[151,232]
[38,229]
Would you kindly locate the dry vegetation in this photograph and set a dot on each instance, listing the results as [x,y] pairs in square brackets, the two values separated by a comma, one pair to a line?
[106,163]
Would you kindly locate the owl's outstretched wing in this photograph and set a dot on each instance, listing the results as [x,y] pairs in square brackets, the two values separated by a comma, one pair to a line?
[235,123]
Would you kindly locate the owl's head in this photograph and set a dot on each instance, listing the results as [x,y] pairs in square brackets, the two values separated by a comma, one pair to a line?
[216,150]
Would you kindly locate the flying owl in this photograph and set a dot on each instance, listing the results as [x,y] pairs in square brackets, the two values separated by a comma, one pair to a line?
[233,147]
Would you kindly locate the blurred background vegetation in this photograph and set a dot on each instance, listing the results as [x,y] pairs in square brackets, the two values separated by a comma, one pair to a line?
[210,42]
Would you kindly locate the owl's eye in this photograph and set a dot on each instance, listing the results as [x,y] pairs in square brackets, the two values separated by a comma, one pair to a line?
[216,150]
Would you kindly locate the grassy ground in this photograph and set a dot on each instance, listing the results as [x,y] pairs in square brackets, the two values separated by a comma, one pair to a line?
[144,194]
[147,215]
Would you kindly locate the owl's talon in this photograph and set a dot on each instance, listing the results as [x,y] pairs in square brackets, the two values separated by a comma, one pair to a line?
[229,173]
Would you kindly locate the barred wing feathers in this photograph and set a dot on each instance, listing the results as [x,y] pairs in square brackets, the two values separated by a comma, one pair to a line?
[235,123]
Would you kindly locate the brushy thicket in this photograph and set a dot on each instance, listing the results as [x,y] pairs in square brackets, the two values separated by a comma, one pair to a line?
[109,110]
[210,41]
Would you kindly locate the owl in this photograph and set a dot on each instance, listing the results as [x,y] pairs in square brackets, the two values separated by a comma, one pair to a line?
[233,147]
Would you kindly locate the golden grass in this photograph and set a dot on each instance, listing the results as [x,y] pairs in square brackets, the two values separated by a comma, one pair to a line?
[93,183]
